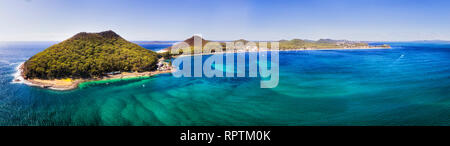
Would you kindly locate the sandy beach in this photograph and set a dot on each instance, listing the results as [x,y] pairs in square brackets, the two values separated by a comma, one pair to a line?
[70,84]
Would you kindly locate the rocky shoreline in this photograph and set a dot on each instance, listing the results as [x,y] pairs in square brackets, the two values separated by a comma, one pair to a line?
[71,84]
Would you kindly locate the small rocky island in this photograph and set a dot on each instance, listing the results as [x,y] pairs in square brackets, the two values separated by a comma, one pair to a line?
[87,57]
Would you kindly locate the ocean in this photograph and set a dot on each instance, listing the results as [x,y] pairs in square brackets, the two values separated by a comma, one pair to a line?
[406,85]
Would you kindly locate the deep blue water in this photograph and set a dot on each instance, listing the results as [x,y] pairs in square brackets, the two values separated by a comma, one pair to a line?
[406,85]
[155,47]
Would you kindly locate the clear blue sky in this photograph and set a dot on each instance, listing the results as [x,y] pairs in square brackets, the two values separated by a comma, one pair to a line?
[394,20]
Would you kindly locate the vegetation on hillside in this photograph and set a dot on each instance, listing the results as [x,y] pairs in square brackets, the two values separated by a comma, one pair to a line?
[320,44]
[88,55]
[283,44]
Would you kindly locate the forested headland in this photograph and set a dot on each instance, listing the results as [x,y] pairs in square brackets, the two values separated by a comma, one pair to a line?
[88,55]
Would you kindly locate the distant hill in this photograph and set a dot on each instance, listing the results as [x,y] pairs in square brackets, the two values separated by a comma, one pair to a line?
[293,44]
[320,44]
[88,55]
[190,42]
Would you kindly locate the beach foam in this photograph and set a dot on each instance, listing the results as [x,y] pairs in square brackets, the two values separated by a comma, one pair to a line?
[18,79]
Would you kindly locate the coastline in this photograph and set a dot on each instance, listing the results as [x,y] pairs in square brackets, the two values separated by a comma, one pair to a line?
[299,49]
[71,84]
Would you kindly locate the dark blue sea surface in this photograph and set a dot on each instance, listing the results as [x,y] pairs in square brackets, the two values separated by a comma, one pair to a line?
[406,85]
[154,47]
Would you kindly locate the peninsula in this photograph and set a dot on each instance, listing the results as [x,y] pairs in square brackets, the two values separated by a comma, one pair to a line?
[284,45]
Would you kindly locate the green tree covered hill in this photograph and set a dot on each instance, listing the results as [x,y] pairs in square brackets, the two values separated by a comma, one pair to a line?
[88,55]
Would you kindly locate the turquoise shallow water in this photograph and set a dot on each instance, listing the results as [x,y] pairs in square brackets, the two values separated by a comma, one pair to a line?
[406,85]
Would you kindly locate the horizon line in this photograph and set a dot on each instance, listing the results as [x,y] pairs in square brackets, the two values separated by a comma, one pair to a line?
[433,40]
